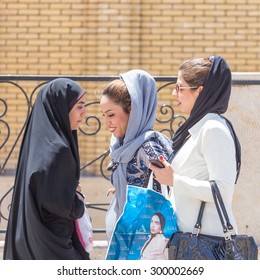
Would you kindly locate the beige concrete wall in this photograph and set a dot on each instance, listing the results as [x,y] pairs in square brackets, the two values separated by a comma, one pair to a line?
[244,112]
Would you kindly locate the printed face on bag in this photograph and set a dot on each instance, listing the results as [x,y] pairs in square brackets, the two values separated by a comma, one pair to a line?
[115,118]
[155,225]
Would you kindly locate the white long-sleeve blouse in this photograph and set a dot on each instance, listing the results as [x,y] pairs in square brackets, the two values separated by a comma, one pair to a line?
[208,154]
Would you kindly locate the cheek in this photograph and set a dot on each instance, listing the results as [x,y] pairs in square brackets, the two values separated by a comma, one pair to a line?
[73,120]
[71,117]
[123,119]
[188,100]
[74,117]
[192,101]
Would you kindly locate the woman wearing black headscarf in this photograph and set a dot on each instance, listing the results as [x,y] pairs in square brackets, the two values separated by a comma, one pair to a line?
[205,146]
[45,203]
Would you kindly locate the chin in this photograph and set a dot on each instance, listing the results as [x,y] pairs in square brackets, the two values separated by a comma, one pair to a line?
[115,135]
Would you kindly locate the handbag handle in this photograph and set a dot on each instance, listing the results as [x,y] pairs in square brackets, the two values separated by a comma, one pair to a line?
[198,225]
[221,207]
[227,227]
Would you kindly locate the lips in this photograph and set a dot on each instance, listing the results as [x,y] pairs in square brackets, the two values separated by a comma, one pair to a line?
[178,102]
[112,129]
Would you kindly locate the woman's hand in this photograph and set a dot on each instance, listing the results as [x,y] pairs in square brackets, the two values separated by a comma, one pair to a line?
[79,192]
[79,188]
[163,175]
[112,190]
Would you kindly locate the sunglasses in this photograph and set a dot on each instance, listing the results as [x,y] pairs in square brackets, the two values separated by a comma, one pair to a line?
[178,88]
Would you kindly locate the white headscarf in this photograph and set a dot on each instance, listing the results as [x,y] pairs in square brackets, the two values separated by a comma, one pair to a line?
[143,92]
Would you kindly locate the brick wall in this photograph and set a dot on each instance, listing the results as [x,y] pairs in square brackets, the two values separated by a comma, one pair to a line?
[106,37]
[94,37]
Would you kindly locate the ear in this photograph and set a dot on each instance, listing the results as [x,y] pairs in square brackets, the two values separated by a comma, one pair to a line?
[200,88]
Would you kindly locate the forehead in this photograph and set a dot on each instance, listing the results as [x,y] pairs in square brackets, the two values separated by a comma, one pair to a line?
[155,218]
[82,99]
[107,104]
[180,79]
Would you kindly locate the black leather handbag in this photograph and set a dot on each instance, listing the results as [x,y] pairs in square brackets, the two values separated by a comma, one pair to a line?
[196,246]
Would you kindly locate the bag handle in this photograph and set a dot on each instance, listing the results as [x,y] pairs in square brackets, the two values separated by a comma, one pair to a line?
[227,227]
[164,189]
[150,182]
[221,208]
[198,225]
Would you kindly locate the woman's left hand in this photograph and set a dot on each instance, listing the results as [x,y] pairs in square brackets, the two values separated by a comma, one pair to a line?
[79,188]
[163,175]
[111,190]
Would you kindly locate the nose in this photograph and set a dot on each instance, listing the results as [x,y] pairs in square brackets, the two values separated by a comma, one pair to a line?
[174,92]
[84,112]
[106,121]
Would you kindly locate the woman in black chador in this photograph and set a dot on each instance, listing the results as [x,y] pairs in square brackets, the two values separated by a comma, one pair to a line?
[45,202]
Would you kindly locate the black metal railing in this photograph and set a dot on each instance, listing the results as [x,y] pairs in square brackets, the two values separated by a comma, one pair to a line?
[166,118]
[14,81]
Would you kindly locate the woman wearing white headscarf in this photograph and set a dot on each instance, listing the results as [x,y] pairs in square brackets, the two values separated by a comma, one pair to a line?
[129,108]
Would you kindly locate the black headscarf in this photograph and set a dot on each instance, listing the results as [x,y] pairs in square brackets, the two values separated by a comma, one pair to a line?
[214,98]
[44,204]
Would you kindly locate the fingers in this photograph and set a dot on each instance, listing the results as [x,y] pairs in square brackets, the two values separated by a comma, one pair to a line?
[154,166]
[112,190]
[79,189]
[163,175]
[162,160]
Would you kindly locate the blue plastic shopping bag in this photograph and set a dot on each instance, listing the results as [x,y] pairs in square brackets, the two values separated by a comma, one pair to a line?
[144,210]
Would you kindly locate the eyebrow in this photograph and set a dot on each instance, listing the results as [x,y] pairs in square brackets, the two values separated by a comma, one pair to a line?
[106,111]
[81,102]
